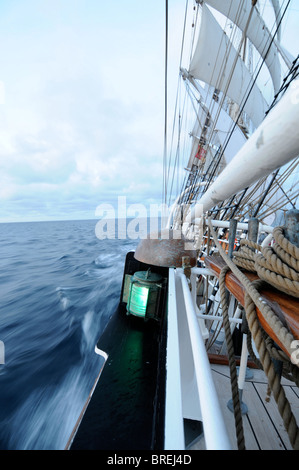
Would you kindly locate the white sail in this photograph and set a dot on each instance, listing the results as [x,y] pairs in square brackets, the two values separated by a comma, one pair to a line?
[257,32]
[216,62]
[276,8]
[221,124]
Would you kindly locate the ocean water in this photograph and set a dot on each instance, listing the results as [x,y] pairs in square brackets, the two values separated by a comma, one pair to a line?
[59,285]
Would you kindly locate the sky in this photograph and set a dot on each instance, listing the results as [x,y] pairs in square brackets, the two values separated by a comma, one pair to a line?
[82,104]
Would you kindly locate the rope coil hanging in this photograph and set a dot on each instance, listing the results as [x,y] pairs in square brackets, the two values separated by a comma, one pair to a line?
[246,258]
[278,264]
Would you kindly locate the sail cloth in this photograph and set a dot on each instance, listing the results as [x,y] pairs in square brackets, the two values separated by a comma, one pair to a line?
[221,123]
[276,8]
[213,60]
[257,32]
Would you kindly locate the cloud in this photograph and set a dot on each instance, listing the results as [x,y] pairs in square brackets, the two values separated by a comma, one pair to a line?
[83,115]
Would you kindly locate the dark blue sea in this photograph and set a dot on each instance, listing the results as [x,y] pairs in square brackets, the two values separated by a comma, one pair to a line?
[59,285]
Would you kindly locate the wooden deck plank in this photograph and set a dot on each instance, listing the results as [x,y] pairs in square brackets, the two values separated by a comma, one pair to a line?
[272,410]
[296,391]
[267,434]
[263,425]
[292,396]
[222,383]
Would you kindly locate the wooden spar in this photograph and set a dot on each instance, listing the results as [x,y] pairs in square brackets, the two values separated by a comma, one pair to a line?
[273,144]
[286,307]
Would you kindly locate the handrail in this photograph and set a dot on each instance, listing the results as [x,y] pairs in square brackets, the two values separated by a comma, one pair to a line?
[240,225]
[215,432]
[174,423]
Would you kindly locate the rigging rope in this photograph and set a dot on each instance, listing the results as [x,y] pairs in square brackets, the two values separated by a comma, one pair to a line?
[175,113]
[253,300]
[232,362]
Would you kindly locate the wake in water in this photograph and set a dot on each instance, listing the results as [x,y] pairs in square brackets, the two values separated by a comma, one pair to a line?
[45,408]
[57,298]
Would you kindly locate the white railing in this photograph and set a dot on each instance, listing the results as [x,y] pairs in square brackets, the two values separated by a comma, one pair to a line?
[184,328]
[174,424]
[240,225]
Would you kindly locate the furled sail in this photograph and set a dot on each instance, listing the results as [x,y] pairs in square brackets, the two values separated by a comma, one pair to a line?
[257,32]
[217,63]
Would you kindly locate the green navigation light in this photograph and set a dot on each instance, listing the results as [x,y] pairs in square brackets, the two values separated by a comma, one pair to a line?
[138,300]
[144,294]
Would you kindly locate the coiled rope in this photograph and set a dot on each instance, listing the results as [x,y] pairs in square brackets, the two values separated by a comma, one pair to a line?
[247,258]
[277,264]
